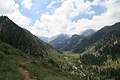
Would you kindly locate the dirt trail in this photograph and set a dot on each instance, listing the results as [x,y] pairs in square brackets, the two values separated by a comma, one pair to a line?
[25,73]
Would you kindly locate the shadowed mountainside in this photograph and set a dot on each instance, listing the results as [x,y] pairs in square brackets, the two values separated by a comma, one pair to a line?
[22,39]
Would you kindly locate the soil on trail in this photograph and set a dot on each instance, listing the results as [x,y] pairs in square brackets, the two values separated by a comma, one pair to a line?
[25,74]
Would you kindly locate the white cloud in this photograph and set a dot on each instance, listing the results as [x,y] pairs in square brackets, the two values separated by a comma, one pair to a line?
[11,9]
[111,16]
[59,22]
[27,3]
[91,12]
[19,19]
[7,6]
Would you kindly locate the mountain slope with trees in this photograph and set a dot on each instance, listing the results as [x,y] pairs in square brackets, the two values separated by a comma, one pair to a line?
[108,44]
[22,39]
[88,41]
[68,44]
[58,41]
[20,51]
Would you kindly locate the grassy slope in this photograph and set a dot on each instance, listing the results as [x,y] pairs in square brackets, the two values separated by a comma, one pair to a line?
[9,63]
[12,60]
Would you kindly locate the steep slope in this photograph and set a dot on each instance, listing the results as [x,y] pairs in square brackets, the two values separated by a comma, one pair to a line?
[22,39]
[20,51]
[8,67]
[88,41]
[107,45]
[58,41]
[102,57]
[15,63]
[100,61]
[70,43]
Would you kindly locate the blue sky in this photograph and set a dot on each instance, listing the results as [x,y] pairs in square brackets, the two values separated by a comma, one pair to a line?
[98,9]
[39,7]
[52,17]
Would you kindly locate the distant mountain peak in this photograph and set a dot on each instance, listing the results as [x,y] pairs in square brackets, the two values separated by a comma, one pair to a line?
[62,35]
[88,32]
[75,35]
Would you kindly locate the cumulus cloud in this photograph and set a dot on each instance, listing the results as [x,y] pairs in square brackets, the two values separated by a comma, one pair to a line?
[11,9]
[7,6]
[111,16]
[59,22]
[19,19]
[27,3]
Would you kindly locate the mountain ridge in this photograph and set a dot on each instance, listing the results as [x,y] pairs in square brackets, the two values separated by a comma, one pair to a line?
[99,60]
[92,39]
[68,44]
[22,39]
[57,42]
[106,47]
[87,32]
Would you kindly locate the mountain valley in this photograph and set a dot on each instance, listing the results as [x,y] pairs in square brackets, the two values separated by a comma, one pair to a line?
[80,57]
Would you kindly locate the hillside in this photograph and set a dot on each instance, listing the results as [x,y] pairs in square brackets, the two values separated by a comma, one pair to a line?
[14,64]
[20,51]
[88,41]
[68,44]
[22,39]
[23,54]
[105,52]
[88,32]
[58,41]
[71,42]
[108,44]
